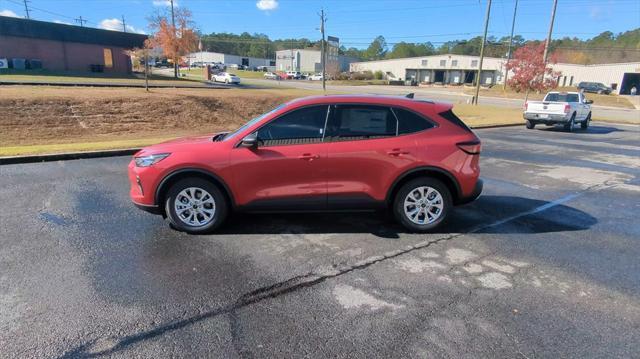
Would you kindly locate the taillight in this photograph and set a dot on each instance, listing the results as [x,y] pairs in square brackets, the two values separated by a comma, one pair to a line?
[470,147]
[567,108]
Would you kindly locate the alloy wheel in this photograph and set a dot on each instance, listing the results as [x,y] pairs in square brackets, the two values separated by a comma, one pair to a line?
[423,205]
[195,206]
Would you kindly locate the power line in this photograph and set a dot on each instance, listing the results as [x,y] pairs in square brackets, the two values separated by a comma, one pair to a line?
[80,20]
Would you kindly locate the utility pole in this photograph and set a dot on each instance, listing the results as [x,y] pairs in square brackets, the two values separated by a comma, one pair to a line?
[484,40]
[124,25]
[506,69]
[323,46]
[26,8]
[546,45]
[81,21]
[175,60]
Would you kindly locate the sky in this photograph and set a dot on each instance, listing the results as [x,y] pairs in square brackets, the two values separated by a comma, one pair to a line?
[355,22]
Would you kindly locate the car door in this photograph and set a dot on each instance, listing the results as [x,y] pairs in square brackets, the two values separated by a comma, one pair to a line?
[364,154]
[287,170]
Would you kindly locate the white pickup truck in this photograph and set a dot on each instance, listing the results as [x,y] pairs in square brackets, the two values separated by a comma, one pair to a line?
[566,108]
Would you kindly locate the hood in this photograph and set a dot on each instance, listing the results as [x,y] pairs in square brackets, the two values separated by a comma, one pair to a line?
[178,144]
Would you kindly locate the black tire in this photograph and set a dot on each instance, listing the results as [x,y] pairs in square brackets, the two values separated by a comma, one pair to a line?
[398,204]
[220,201]
[585,123]
[530,125]
[569,126]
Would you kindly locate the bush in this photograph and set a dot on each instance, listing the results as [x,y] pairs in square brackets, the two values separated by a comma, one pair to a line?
[365,75]
[379,75]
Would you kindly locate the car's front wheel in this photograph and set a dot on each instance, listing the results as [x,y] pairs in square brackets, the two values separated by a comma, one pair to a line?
[195,205]
[585,123]
[422,204]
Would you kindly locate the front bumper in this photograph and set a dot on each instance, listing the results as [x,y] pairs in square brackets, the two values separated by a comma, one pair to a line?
[477,191]
[548,119]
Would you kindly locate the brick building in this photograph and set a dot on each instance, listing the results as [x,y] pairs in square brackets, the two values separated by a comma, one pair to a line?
[60,47]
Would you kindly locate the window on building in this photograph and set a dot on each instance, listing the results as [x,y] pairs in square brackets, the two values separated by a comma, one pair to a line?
[300,126]
[425,62]
[108,58]
[443,62]
[359,122]
[454,63]
[474,63]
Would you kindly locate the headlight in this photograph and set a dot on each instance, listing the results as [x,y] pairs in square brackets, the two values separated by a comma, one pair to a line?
[146,161]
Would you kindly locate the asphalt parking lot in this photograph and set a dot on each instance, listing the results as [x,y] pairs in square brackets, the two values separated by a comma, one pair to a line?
[545,264]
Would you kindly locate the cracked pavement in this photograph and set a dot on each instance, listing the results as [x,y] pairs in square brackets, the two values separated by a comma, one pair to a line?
[544,264]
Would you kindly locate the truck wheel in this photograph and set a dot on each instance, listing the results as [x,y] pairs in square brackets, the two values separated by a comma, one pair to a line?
[585,123]
[569,125]
[530,125]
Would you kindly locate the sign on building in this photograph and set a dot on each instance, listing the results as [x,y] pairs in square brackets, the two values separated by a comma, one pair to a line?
[4,64]
[333,64]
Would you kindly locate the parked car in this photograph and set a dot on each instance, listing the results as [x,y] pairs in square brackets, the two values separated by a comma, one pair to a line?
[594,87]
[271,76]
[412,157]
[565,108]
[315,77]
[293,75]
[226,78]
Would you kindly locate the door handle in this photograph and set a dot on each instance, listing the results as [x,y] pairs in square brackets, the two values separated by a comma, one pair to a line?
[397,152]
[308,157]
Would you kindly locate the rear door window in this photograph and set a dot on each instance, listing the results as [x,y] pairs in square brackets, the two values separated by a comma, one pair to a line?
[359,122]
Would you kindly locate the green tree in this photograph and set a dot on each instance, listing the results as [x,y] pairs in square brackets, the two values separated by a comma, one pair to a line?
[377,49]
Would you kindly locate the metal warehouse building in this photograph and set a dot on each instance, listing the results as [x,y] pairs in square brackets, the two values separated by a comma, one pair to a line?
[38,44]
[463,69]
[217,57]
[308,60]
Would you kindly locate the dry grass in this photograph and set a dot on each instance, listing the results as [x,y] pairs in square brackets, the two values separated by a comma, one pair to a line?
[600,100]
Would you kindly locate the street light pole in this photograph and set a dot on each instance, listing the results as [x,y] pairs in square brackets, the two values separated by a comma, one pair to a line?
[323,61]
[548,42]
[484,40]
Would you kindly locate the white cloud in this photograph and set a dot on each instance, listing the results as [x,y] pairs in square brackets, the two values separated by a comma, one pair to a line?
[8,13]
[164,3]
[116,25]
[266,5]
[61,22]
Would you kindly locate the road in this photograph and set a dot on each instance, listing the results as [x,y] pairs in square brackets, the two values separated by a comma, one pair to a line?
[544,265]
[438,94]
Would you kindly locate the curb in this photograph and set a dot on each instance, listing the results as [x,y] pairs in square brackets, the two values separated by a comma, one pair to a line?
[114,85]
[497,126]
[66,156]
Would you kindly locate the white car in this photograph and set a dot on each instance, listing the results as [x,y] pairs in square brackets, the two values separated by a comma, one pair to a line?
[565,108]
[271,76]
[225,77]
[315,77]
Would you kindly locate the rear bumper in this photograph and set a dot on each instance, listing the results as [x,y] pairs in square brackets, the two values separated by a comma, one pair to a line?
[477,191]
[546,118]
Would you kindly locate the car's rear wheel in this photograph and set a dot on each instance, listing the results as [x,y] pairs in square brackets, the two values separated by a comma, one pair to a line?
[585,123]
[569,126]
[195,205]
[530,125]
[422,204]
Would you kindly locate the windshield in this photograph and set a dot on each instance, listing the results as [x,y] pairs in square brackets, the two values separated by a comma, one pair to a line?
[562,97]
[253,121]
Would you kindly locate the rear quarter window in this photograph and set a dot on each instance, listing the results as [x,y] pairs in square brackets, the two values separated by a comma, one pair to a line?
[410,122]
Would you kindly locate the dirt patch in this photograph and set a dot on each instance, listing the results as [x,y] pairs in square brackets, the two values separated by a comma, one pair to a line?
[72,115]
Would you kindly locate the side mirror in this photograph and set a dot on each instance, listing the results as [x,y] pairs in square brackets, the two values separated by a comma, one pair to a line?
[250,140]
[588,102]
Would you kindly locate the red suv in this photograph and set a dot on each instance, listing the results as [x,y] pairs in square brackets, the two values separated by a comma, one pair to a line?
[322,153]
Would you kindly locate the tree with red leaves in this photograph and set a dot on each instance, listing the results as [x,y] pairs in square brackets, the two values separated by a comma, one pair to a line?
[175,41]
[530,72]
